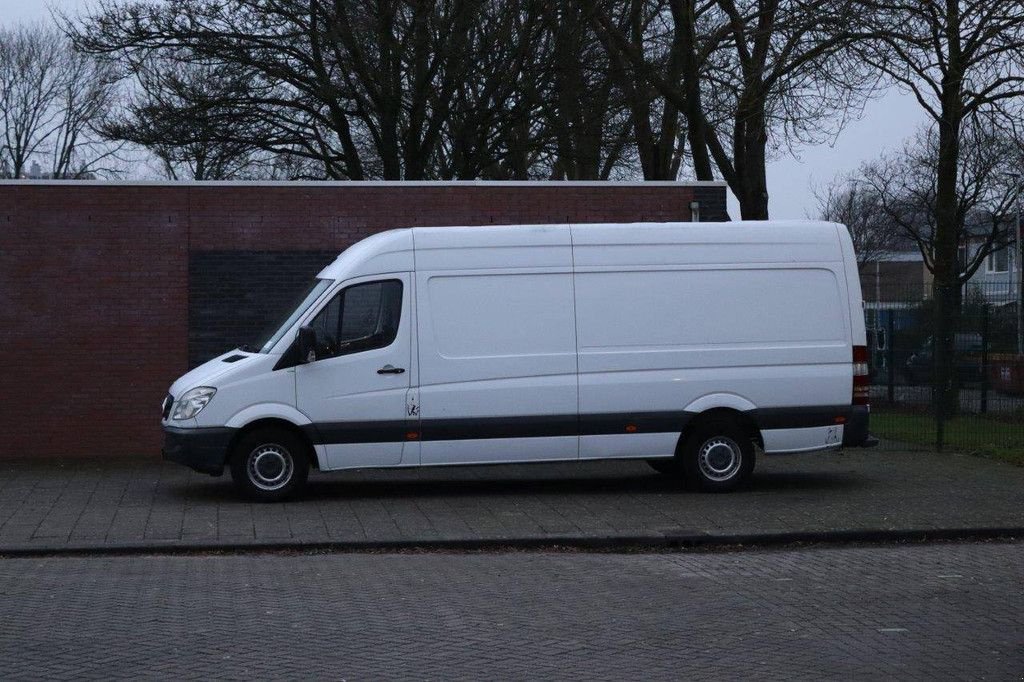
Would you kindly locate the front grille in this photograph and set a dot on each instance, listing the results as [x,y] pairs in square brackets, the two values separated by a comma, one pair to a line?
[165,409]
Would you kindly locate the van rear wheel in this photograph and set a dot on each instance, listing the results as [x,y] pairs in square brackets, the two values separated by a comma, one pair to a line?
[270,465]
[717,456]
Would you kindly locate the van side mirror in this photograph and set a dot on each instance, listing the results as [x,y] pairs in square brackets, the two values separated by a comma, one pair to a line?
[307,344]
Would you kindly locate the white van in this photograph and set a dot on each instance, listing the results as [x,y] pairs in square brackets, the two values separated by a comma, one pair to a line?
[687,345]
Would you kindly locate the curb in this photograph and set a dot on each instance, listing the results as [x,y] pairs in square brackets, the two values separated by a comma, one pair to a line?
[668,541]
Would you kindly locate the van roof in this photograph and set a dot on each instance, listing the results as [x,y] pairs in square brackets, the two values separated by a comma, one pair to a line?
[391,250]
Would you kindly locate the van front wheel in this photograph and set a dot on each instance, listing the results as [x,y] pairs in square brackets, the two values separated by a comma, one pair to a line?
[269,465]
[717,456]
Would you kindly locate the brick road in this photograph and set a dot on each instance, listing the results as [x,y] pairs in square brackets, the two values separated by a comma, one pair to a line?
[147,503]
[945,611]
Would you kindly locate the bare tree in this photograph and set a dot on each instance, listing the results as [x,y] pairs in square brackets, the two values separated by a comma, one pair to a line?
[290,85]
[400,63]
[851,201]
[365,90]
[907,182]
[905,185]
[676,77]
[583,106]
[51,98]
[186,115]
[961,60]
[494,127]
[753,76]
[28,88]
[657,130]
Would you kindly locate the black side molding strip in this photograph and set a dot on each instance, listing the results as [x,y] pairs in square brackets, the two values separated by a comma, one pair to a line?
[332,433]
[551,426]
[633,422]
[800,417]
[541,426]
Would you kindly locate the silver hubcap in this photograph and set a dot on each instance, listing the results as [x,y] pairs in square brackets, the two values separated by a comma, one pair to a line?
[720,458]
[270,467]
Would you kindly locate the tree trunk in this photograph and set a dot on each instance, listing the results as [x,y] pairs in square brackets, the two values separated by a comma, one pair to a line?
[945,393]
[749,142]
[946,270]
[390,154]
[753,194]
[685,41]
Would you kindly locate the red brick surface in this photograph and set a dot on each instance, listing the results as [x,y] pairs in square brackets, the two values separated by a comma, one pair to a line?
[94,281]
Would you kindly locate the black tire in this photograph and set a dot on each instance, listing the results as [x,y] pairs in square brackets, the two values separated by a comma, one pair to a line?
[717,456]
[270,465]
[668,466]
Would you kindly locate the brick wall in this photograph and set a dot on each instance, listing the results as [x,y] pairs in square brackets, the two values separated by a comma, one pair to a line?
[108,292]
[93,315]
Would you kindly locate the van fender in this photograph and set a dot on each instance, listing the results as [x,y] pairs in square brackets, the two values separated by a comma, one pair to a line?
[714,401]
[267,411]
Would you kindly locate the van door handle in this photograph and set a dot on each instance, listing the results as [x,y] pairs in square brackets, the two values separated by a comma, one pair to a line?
[388,369]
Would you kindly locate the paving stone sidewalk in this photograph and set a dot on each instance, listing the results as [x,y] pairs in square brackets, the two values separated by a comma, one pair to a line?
[947,611]
[81,504]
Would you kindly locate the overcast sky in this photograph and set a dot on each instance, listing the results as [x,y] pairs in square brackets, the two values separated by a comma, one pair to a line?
[884,124]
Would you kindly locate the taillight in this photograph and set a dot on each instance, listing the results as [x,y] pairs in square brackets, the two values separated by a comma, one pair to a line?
[861,379]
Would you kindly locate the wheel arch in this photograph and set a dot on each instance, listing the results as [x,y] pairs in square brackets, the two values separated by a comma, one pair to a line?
[713,401]
[275,423]
[742,418]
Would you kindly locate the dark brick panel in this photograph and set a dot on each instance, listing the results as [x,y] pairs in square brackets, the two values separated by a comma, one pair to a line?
[235,295]
[712,203]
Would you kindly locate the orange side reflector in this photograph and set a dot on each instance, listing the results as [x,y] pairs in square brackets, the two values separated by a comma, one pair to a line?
[630,428]
[840,420]
[412,435]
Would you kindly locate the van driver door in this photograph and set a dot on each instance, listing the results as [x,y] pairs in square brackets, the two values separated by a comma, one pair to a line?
[355,390]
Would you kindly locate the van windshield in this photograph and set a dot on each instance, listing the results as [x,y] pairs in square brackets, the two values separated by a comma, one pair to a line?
[273,333]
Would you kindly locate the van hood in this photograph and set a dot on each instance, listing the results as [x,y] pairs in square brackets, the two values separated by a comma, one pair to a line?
[208,373]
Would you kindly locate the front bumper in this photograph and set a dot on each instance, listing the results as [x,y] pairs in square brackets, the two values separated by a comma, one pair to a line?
[855,431]
[204,450]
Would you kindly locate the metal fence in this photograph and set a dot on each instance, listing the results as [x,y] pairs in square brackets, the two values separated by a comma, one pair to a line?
[989,370]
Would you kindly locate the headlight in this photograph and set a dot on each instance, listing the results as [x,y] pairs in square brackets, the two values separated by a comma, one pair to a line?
[192,402]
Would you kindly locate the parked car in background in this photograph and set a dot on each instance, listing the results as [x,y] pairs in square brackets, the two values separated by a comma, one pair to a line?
[967,357]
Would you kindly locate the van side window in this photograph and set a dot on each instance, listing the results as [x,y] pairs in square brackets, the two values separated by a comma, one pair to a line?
[360,318]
